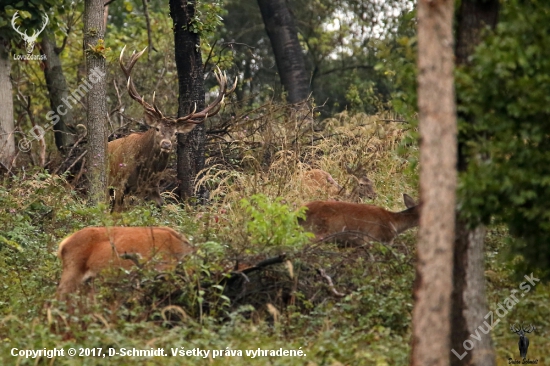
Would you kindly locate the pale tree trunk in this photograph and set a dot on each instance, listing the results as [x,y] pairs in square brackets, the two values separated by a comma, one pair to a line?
[469,297]
[57,90]
[281,30]
[94,31]
[437,114]
[191,147]
[7,140]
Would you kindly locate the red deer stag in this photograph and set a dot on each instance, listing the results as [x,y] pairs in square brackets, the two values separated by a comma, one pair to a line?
[136,162]
[354,223]
[88,251]
[317,181]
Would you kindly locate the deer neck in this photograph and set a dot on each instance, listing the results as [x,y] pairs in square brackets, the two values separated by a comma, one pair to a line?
[152,154]
[404,220]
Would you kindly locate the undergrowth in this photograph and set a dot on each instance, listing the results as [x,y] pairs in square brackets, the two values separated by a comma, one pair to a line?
[226,297]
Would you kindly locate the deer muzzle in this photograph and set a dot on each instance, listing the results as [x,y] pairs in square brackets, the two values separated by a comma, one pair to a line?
[166,145]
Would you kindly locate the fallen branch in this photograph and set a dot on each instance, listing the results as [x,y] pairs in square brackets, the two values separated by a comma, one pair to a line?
[239,274]
[76,161]
[80,172]
[267,262]
[394,120]
[75,145]
[330,284]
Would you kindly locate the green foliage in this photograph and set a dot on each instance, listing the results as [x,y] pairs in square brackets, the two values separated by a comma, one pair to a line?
[207,19]
[273,224]
[506,93]
[342,41]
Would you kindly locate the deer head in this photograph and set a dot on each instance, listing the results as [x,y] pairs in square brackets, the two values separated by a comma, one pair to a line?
[29,40]
[521,331]
[167,127]
[365,186]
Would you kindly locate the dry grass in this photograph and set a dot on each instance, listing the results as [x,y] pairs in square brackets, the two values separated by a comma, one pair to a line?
[269,156]
[271,161]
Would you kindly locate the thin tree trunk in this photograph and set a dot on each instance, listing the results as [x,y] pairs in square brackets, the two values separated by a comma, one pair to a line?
[57,90]
[281,30]
[7,140]
[469,305]
[94,31]
[191,147]
[437,112]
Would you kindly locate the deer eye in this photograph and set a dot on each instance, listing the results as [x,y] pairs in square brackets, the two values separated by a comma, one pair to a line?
[158,129]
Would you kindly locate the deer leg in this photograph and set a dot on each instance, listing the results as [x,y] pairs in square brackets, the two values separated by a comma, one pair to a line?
[119,198]
[154,195]
[70,279]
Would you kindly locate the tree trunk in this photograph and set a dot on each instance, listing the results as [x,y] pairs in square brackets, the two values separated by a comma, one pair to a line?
[437,113]
[281,30]
[94,32]
[58,90]
[191,147]
[7,140]
[469,305]
[473,16]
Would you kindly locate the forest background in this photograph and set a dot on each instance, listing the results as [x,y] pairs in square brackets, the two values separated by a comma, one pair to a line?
[360,62]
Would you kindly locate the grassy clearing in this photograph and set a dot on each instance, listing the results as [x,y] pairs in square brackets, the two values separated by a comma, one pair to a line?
[287,305]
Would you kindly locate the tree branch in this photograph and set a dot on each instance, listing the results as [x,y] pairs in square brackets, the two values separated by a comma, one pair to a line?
[149,36]
[330,71]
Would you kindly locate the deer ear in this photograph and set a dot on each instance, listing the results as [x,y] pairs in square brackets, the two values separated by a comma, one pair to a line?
[185,127]
[150,120]
[409,201]
[365,180]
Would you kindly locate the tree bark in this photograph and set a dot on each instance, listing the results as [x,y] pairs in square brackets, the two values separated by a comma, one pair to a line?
[7,140]
[191,147]
[469,305]
[94,32]
[437,113]
[57,90]
[473,17]
[281,30]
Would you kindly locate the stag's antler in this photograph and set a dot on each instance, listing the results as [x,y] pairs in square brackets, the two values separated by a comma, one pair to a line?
[199,117]
[15,16]
[194,117]
[513,328]
[529,330]
[46,20]
[127,69]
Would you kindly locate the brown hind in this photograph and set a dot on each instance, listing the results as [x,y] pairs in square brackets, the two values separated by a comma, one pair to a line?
[317,181]
[88,251]
[354,223]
